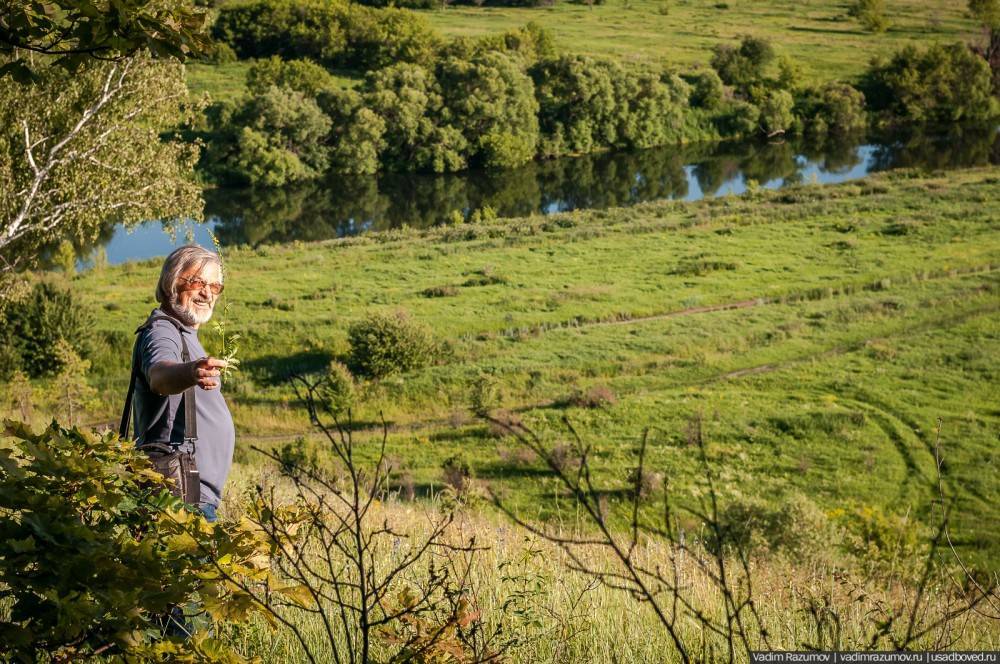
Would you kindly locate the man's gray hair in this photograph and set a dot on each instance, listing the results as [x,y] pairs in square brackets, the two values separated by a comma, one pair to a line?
[178,262]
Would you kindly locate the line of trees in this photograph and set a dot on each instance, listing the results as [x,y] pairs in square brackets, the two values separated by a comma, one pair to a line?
[433,106]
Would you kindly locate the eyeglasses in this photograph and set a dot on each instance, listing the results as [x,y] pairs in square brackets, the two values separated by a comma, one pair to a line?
[198,284]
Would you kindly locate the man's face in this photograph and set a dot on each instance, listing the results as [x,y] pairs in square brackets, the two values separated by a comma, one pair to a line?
[193,299]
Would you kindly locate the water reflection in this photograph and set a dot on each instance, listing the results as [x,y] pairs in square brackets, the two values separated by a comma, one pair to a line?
[348,205]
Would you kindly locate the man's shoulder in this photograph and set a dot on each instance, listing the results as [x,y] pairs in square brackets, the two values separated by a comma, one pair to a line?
[159,327]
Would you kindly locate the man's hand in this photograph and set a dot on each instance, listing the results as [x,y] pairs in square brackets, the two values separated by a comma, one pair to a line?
[175,377]
[206,372]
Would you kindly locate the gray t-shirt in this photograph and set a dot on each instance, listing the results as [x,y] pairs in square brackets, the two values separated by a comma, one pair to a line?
[161,419]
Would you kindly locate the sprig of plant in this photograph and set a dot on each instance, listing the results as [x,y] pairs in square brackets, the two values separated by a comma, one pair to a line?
[230,345]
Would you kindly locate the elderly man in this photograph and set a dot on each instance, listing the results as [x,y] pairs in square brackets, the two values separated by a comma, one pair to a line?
[170,368]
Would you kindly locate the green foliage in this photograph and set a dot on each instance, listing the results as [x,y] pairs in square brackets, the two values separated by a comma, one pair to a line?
[76,31]
[96,155]
[408,101]
[73,394]
[332,33]
[97,548]
[492,102]
[281,139]
[382,37]
[943,83]
[303,76]
[486,392]
[986,12]
[528,45]
[835,108]
[384,344]
[791,524]
[287,28]
[708,90]
[870,14]
[65,258]
[776,112]
[743,65]
[336,391]
[38,322]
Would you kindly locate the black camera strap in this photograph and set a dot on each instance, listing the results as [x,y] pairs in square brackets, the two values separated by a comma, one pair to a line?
[188,396]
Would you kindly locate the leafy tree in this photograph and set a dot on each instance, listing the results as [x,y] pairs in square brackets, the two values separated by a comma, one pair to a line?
[708,90]
[21,396]
[334,33]
[76,31]
[81,149]
[943,83]
[65,258]
[776,112]
[380,37]
[39,321]
[743,65]
[529,44]
[303,76]
[835,108]
[987,12]
[96,549]
[72,394]
[288,28]
[281,139]
[577,103]
[358,136]
[408,100]
[492,101]
[870,14]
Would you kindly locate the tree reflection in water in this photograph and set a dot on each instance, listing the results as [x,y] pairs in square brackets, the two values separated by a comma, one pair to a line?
[347,205]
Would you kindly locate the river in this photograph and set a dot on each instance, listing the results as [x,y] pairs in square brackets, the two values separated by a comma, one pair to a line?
[342,205]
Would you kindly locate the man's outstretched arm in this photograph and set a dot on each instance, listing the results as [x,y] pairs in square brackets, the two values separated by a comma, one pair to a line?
[167,377]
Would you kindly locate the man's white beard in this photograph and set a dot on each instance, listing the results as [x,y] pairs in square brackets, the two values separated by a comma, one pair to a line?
[190,316]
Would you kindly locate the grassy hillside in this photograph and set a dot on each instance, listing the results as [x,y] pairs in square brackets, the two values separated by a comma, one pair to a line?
[821,333]
[817,34]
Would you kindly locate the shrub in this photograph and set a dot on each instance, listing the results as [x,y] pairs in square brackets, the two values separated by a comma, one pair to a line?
[304,76]
[492,102]
[384,344]
[281,139]
[776,112]
[793,524]
[455,472]
[598,396]
[486,392]
[836,108]
[707,90]
[743,65]
[37,323]
[940,84]
[381,37]
[289,28]
[870,14]
[336,391]
[96,549]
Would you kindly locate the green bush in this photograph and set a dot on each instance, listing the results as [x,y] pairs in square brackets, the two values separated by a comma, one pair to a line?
[745,64]
[36,324]
[707,90]
[870,14]
[835,108]
[303,76]
[281,139]
[289,28]
[336,391]
[492,102]
[943,83]
[96,550]
[384,344]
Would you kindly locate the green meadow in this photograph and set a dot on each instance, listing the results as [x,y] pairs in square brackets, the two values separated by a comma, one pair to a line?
[817,34]
[834,341]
